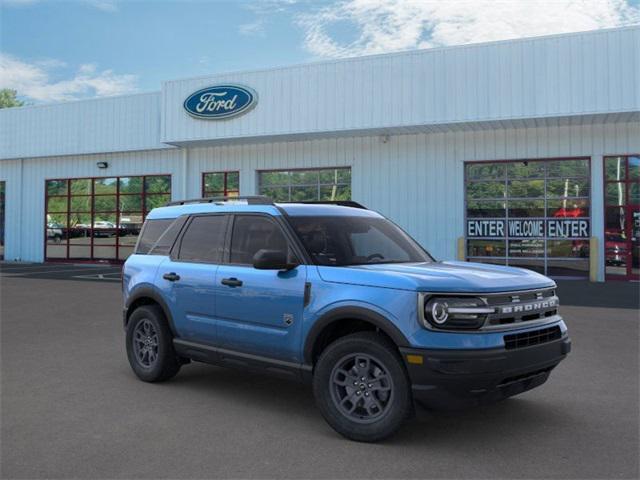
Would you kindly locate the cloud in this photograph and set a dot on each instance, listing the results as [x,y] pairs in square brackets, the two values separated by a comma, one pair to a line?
[104,5]
[34,80]
[266,7]
[379,26]
[253,28]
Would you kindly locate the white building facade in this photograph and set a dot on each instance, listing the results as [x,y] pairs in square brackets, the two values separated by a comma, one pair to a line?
[523,152]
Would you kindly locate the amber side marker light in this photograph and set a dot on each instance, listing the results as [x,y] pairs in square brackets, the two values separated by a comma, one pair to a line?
[415,359]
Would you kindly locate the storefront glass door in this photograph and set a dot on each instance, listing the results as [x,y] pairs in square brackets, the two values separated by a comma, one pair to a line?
[622,217]
[534,214]
[99,219]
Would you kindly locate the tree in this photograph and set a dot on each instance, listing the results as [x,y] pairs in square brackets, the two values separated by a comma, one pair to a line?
[8,98]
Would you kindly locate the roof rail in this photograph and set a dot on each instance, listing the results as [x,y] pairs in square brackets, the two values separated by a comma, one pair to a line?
[341,203]
[251,200]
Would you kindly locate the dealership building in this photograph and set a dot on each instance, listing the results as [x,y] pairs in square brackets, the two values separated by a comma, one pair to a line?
[522,152]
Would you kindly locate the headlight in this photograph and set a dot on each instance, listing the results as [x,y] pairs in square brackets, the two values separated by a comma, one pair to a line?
[455,312]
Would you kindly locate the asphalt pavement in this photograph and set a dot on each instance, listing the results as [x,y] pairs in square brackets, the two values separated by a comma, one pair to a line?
[71,407]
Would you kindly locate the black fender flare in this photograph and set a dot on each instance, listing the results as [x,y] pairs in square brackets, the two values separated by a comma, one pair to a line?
[351,313]
[148,292]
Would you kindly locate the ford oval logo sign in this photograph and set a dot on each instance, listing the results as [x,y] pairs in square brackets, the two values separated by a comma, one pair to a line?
[220,101]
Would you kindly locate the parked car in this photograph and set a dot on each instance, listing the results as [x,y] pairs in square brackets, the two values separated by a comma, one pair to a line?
[615,249]
[54,232]
[340,297]
[103,228]
[129,226]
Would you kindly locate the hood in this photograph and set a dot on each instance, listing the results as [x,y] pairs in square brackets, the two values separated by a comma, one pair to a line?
[438,277]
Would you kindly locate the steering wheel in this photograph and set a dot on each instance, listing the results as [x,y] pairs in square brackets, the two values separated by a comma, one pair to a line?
[375,255]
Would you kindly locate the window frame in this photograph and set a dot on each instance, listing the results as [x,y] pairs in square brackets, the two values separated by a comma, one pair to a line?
[285,228]
[174,253]
[627,207]
[506,179]
[318,185]
[226,190]
[91,212]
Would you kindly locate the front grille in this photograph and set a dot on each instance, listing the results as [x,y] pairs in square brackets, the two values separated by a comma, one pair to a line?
[520,307]
[534,337]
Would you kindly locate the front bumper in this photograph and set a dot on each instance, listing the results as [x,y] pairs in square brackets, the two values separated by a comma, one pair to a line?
[459,378]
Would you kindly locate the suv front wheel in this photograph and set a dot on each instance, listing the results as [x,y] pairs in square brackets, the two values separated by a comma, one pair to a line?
[361,387]
[150,345]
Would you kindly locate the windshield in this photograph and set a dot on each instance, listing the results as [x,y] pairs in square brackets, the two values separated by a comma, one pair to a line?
[341,241]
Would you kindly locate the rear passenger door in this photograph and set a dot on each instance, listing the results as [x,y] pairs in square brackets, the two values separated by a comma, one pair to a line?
[259,311]
[188,277]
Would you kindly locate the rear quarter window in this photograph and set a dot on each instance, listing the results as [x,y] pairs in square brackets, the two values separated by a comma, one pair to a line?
[151,232]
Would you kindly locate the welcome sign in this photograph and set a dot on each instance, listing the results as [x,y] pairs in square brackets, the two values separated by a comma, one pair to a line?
[220,102]
[528,228]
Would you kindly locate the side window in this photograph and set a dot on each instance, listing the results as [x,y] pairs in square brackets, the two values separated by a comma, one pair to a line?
[151,231]
[163,245]
[252,233]
[204,239]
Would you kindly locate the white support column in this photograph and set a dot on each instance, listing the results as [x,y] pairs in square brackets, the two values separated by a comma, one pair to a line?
[597,210]
[248,181]
[184,174]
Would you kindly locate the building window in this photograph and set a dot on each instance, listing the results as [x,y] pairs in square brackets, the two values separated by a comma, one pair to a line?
[99,218]
[306,185]
[533,214]
[2,188]
[221,184]
[622,217]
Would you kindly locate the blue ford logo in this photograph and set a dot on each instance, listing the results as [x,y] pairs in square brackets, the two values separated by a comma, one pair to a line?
[220,101]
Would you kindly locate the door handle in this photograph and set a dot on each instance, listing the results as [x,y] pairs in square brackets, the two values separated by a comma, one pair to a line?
[172,277]
[231,282]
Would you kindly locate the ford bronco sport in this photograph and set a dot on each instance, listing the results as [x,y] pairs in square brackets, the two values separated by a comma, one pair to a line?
[339,296]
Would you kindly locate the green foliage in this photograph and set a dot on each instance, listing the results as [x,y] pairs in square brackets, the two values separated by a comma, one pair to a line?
[307,185]
[8,98]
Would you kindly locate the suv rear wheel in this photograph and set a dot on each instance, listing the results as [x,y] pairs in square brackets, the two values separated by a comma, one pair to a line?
[150,345]
[361,387]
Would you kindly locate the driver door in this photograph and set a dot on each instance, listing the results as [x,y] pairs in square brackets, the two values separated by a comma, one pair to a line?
[259,311]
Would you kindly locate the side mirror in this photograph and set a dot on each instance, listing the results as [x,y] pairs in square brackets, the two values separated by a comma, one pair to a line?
[272,260]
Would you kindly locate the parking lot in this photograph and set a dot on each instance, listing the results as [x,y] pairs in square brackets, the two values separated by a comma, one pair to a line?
[71,407]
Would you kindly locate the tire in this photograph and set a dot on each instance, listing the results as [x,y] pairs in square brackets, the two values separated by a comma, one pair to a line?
[159,362]
[383,403]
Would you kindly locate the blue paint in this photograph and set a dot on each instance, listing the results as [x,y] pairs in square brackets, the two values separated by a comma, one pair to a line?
[282,317]
[220,102]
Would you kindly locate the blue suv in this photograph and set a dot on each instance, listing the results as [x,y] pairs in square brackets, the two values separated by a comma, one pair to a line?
[338,296]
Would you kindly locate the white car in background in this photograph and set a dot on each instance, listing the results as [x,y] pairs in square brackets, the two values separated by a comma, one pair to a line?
[102,228]
[54,232]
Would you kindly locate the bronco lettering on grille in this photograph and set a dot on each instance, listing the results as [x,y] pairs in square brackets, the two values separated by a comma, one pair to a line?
[529,307]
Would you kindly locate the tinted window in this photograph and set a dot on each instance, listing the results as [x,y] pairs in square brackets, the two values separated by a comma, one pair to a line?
[151,232]
[204,239]
[340,241]
[252,233]
[167,239]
